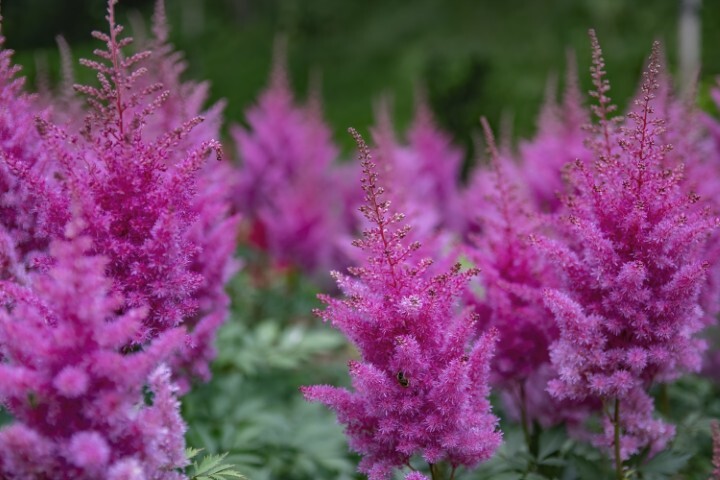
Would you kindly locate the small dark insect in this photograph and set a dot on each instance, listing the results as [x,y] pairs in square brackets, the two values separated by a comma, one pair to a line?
[403,380]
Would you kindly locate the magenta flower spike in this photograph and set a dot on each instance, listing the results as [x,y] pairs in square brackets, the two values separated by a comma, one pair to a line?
[287,186]
[137,198]
[560,140]
[436,169]
[214,230]
[422,176]
[33,209]
[513,274]
[633,256]
[73,388]
[421,385]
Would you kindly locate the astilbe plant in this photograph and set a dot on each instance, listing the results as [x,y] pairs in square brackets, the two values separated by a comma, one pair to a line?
[286,186]
[75,391]
[33,209]
[423,172]
[560,139]
[422,176]
[136,197]
[704,177]
[214,231]
[632,253]
[513,274]
[421,385]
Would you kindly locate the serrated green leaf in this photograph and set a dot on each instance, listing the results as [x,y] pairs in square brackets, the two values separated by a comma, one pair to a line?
[665,463]
[212,467]
[191,452]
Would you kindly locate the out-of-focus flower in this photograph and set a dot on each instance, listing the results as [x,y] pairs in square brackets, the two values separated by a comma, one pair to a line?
[75,391]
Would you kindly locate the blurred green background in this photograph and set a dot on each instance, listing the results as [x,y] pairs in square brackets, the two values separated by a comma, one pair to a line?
[474,57]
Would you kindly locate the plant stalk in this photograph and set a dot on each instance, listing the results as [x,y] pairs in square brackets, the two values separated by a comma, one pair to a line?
[433,472]
[618,460]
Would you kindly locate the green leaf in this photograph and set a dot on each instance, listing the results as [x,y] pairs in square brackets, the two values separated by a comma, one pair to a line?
[212,467]
[551,441]
[665,463]
[191,452]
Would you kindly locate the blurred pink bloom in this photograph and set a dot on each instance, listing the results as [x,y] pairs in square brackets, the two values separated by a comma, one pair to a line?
[74,390]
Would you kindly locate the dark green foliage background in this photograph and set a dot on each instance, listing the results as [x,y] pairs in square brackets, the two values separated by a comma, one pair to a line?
[474,57]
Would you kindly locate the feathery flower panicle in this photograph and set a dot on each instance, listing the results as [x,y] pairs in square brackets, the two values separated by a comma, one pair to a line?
[137,198]
[422,176]
[33,209]
[422,384]
[286,187]
[432,174]
[513,274]
[214,230]
[560,140]
[74,389]
[704,177]
[633,260]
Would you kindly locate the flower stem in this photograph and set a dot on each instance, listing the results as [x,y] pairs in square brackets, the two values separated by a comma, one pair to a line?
[618,460]
[524,419]
[433,472]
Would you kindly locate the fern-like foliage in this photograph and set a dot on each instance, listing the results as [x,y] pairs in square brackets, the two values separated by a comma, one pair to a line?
[211,467]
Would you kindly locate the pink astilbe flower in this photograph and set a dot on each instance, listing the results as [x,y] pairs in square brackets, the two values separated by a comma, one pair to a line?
[214,231]
[560,139]
[512,276]
[32,207]
[421,386]
[704,177]
[422,177]
[137,198]
[633,258]
[433,177]
[74,390]
[286,185]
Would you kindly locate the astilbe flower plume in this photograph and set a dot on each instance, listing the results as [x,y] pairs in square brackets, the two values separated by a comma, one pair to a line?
[704,175]
[136,197]
[423,172]
[421,386]
[286,186]
[422,176]
[32,207]
[513,274]
[214,231]
[632,253]
[560,139]
[74,390]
